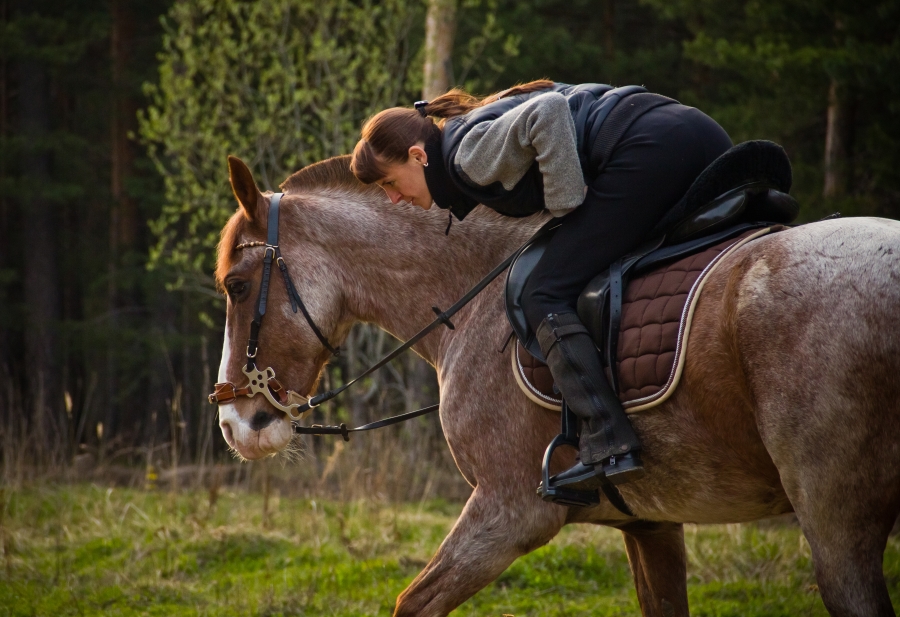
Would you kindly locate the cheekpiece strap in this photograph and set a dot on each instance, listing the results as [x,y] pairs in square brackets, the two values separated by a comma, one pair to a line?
[272,232]
[262,300]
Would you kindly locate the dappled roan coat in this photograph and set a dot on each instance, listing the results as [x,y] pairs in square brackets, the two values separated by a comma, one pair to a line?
[788,402]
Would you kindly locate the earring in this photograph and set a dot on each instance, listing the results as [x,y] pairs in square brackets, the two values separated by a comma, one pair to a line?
[425,164]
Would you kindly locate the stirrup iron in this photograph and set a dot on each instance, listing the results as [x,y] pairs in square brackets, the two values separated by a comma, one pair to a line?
[564,496]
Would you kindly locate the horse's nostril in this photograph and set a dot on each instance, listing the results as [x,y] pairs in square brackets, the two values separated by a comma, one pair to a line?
[261,420]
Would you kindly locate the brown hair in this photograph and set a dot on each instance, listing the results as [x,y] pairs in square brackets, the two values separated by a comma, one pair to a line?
[388,135]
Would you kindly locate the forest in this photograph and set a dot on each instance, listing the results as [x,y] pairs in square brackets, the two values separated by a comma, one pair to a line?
[116,118]
[118,493]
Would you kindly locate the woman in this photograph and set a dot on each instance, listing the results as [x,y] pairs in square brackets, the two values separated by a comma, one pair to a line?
[609,162]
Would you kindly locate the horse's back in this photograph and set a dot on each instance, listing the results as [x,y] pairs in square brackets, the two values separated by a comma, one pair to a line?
[817,317]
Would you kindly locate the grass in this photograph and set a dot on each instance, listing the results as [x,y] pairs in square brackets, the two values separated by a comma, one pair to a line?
[90,550]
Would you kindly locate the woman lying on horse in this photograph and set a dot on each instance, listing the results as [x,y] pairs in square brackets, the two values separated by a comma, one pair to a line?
[539,146]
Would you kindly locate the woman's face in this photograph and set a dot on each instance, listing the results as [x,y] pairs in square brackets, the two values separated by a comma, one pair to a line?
[406,181]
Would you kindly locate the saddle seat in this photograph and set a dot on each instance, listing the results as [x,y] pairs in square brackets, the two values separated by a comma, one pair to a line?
[739,197]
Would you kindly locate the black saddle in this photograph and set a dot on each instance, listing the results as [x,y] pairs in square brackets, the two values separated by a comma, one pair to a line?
[746,187]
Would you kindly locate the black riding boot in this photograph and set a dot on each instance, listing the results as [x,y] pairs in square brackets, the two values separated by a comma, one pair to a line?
[607,440]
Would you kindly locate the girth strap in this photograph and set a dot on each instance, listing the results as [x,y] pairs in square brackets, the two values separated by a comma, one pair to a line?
[615,497]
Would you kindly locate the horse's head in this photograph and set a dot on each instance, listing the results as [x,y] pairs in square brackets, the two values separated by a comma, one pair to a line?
[254,426]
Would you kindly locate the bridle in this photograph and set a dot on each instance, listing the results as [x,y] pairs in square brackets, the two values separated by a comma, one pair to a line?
[264,381]
[295,405]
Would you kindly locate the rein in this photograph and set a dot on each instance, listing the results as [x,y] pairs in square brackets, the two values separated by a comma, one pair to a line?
[264,382]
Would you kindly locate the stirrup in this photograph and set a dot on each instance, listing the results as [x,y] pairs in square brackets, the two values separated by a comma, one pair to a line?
[560,495]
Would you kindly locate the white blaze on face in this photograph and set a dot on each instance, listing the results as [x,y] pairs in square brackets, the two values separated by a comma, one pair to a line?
[226,356]
[247,442]
[229,420]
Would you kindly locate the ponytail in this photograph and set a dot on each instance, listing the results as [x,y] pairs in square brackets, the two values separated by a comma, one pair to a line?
[457,102]
[388,135]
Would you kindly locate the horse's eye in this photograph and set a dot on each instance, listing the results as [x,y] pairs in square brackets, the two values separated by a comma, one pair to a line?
[236,289]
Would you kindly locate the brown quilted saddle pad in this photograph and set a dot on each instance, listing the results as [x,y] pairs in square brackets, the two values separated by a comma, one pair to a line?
[657,309]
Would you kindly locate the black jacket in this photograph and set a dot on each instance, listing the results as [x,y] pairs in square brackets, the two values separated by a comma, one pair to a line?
[590,105]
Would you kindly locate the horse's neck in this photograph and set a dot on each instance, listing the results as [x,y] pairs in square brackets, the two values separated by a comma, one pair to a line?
[396,263]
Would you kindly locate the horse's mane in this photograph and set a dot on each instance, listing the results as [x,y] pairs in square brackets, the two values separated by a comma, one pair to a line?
[333,173]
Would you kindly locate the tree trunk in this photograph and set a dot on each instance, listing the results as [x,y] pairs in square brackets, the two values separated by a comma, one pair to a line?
[440,28]
[838,141]
[41,284]
[5,208]
[123,234]
[123,216]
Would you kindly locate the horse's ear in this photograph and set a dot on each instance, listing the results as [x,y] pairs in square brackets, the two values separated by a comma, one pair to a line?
[244,187]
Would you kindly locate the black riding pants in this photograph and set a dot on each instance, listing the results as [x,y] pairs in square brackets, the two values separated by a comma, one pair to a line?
[653,165]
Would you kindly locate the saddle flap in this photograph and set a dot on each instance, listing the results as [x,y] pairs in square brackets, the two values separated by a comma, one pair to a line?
[516,279]
[657,312]
[743,189]
[593,303]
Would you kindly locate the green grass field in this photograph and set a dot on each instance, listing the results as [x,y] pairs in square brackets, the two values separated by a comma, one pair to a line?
[87,550]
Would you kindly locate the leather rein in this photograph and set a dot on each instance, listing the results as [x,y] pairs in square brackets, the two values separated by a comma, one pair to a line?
[263,381]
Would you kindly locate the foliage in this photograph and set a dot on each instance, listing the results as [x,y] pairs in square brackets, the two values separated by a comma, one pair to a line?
[761,68]
[767,66]
[97,340]
[87,550]
[576,41]
[281,83]
[484,47]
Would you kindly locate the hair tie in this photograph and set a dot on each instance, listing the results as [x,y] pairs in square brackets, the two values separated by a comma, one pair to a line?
[420,107]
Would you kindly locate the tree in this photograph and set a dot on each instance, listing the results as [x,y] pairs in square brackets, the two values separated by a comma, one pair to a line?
[440,29]
[283,83]
[815,74]
[41,276]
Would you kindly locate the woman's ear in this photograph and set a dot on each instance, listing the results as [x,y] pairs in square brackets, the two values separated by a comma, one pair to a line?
[244,186]
[417,153]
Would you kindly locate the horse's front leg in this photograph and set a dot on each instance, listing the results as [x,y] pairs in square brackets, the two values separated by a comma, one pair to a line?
[495,528]
[659,565]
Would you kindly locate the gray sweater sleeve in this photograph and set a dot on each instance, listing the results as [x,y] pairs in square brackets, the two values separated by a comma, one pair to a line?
[541,130]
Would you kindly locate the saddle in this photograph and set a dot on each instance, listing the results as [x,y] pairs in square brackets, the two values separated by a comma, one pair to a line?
[638,312]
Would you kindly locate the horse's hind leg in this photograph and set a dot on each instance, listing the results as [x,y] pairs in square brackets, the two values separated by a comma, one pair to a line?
[847,535]
[839,462]
[818,327]
[659,565]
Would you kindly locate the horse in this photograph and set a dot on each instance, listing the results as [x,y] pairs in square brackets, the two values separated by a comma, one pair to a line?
[789,399]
